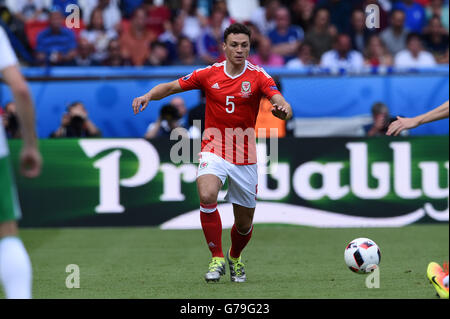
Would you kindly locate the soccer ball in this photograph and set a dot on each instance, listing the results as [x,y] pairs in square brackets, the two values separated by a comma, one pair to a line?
[362,255]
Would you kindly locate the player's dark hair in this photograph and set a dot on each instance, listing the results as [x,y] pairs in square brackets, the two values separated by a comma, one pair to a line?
[236,28]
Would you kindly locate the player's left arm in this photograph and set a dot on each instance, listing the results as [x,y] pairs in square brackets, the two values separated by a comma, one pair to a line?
[281,108]
[403,123]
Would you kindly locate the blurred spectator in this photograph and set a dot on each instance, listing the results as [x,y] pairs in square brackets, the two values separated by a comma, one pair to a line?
[27,10]
[267,125]
[114,57]
[376,53]
[159,55]
[110,8]
[359,33]
[84,55]
[340,12]
[302,12]
[56,45]
[286,38]
[321,34]
[381,120]
[97,35]
[265,55]
[440,9]
[414,14]
[11,121]
[186,54]
[221,5]
[394,37]
[264,17]
[179,104]
[76,123]
[414,56]
[342,56]
[167,122]
[15,28]
[241,11]
[172,34]
[62,5]
[304,58]
[135,42]
[210,41]
[157,16]
[436,38]
[256,35]
[127,7]
[444,59]
[193,20]
[197,113]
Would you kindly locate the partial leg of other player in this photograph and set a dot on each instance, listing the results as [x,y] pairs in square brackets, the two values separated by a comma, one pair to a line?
[15,265]
[438,277]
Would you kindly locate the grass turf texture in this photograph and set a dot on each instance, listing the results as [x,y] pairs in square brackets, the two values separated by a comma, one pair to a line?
[281,262]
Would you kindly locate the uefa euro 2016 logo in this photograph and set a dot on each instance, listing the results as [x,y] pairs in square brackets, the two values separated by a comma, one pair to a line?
[372,16]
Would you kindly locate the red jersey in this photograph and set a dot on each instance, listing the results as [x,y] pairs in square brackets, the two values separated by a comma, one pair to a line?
[232,104]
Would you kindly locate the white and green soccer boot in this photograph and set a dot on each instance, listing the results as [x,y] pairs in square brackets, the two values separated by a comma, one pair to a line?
[237,271]
[216,269]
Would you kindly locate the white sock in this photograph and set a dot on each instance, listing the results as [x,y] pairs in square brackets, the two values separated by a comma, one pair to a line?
[446,281]
[15,269]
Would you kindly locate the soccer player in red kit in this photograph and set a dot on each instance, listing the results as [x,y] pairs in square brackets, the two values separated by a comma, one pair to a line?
[233,91]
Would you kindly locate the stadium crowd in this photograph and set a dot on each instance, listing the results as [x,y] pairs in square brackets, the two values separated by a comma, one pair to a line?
[296,33]
[291,34]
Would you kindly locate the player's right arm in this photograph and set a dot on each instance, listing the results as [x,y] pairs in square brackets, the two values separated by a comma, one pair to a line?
[155,94]
[403,123]
[194,80]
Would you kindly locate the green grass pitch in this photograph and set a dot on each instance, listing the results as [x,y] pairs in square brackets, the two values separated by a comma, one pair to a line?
[281,262]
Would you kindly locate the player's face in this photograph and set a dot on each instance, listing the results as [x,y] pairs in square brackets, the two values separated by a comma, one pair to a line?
[237,48]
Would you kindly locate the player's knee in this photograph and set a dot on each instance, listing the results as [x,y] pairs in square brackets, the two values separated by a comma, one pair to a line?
[8,229]
[243,227]
[208,197]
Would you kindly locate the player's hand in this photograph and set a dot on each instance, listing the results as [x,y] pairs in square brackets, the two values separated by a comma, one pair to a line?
[30,162]
[402,123]
[140,102]
[280,111]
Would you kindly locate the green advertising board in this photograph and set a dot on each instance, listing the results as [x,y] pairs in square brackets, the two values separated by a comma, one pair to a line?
[321,182]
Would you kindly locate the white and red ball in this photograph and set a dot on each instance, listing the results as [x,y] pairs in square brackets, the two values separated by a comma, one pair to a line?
[362,255]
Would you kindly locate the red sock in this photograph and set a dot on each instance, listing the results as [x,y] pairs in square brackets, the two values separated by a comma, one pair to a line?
[239,241]
[212,228]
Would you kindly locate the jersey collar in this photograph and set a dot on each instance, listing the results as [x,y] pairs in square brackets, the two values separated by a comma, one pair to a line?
[236,76]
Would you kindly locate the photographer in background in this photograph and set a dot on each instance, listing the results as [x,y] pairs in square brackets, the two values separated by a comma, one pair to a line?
[381,121]
[169,120]
[76,123]
[10,121]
